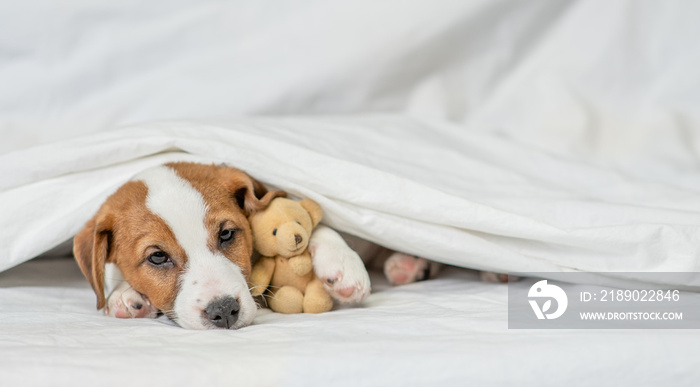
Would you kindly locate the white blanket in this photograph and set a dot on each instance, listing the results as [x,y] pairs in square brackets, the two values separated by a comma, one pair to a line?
[425,188]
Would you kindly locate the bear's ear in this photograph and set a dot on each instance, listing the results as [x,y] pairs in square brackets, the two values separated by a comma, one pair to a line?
[313,209]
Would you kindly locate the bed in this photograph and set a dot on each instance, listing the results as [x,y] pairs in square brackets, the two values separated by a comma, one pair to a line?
[506,136]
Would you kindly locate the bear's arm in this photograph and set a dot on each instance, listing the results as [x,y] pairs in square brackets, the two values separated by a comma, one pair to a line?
[261,276]
[301,264]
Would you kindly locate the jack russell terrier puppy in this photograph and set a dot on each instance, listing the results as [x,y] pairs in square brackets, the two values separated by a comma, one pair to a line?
[175,239]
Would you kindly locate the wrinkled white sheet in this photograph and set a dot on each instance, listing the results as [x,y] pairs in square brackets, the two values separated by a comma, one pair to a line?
[429,189]
[546,135]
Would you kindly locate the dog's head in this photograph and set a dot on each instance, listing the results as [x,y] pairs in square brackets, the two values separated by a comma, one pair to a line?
[180,236]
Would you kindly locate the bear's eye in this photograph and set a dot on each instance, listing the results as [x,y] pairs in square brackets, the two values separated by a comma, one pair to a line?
[299,223]
[274,232]
[226,236]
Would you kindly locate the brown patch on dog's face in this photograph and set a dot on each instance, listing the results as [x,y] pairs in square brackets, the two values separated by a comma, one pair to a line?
[137,234]
[134,233]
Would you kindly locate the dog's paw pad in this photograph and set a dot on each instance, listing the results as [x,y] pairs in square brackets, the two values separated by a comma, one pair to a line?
[401,269]
[497,278]
[345,291]
[331,280]
[354,293]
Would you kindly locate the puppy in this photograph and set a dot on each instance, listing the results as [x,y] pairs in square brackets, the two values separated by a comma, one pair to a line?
[176,239]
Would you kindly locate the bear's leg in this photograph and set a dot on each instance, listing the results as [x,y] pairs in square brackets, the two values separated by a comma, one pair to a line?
[316,299]
[286,299]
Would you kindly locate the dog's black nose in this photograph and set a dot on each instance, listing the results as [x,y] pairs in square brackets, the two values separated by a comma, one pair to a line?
[223,312]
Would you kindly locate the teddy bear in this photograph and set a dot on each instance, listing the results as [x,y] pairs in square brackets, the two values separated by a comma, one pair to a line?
[281,235]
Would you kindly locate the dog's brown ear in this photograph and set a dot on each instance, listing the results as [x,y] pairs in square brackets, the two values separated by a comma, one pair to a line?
[91,248]
[250,194]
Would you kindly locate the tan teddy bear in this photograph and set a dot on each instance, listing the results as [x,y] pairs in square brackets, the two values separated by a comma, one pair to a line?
[281,235]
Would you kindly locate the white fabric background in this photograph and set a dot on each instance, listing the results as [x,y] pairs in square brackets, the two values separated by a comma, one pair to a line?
[498,134]
[611,81]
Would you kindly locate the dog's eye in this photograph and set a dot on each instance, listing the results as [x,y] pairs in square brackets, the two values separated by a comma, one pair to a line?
[274,232]
[158,258]
[226,236]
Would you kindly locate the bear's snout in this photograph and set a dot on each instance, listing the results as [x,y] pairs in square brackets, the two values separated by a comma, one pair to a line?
[292,239]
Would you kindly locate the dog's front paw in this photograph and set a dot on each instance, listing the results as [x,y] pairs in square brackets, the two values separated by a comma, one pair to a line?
[338,266]
[125,302]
